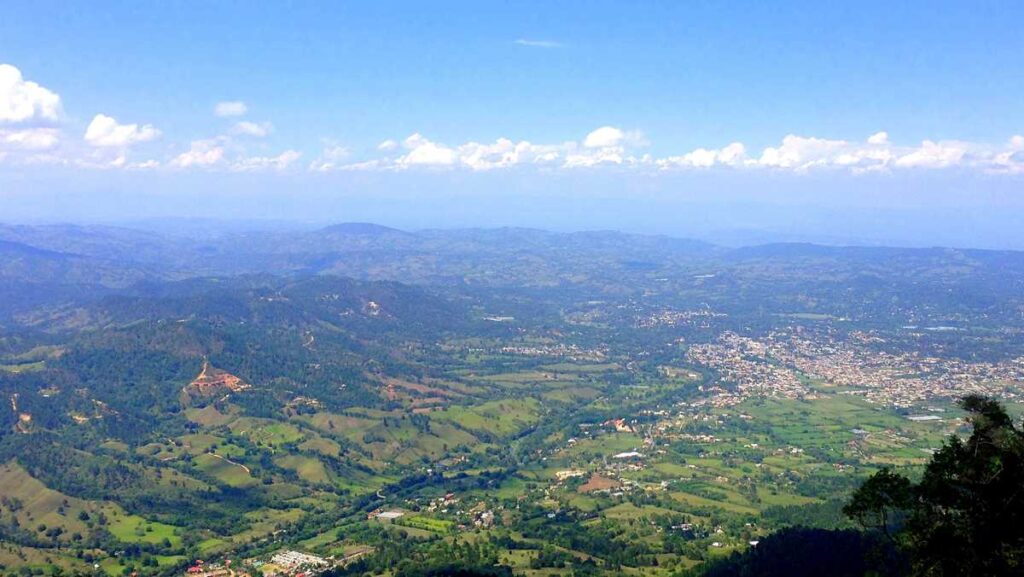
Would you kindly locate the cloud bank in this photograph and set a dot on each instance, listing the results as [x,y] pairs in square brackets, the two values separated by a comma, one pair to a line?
[34,131]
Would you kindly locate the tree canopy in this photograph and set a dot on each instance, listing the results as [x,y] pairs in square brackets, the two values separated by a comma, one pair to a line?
[966,514]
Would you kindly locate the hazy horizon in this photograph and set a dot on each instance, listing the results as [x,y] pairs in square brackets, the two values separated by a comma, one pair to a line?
[724,237]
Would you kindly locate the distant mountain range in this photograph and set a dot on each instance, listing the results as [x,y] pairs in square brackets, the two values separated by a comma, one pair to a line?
[62,264]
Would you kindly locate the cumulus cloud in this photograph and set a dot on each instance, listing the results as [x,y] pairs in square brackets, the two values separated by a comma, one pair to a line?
[229,108]
[604,146]
[254,129]
[801,152]
[879,138]
[933,155]
[25,101]
[606,155]
[30,138]
[279,162]
[201,153]
[734,154]
[423,152]
[331,158]
[604,137]
[612,146]
[501,153]
[504,153]
[105,131]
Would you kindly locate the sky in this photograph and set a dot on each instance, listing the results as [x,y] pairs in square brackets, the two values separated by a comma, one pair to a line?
[864,123]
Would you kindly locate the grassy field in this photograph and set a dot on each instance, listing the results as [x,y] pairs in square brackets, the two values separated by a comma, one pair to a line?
[432,524]
[499,418]
[22,367]
[208,416]
[321,445]
[265,432]
[229,473]
[134,529]
[307,468]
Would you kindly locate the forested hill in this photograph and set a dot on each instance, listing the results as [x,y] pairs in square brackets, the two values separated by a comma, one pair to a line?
[63,267]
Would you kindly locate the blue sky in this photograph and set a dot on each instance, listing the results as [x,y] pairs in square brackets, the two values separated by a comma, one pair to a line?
[746,115]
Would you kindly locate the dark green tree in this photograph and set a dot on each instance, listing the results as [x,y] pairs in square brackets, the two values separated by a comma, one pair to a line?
[966,514]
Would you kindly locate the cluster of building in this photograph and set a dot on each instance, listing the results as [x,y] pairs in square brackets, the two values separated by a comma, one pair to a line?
[443,504]
[201,568]
[385,515]
[779,365]
[744,363]
[288,563]
[900,379]
[695,318]
[569,352]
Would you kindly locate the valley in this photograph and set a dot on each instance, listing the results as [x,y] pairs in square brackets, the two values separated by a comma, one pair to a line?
[623,405]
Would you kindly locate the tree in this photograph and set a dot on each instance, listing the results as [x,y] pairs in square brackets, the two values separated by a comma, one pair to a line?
[881,502]
[966,515]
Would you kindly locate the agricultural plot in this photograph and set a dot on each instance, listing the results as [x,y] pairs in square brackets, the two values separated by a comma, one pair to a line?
[497,418]
[266,432]
[134,529]
[224,470]
[434,525]
[308,469]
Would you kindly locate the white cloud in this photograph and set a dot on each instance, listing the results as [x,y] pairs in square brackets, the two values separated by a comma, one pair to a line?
[423,152]
[200,153]
[801,153]
[230,108]
[30,138]
[879,138]
[331,158]
[25,101]
[254,129]
[279,162]
[612,146]
[145,165]
[732,155]
[105,131]
[604,137]
[606,155]
[933,155]
[537,43]
[604,145]
[610,136]
[366,165]
[1011,159]
[504,153]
